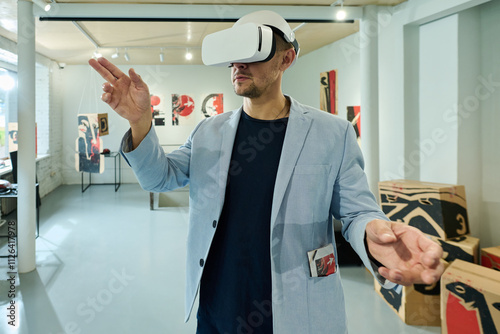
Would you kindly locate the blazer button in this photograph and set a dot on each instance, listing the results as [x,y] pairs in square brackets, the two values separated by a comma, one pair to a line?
[214,223]
[202,262]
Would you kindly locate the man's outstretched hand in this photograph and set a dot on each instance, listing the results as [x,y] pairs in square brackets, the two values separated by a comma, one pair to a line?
[127,95]
[407,255]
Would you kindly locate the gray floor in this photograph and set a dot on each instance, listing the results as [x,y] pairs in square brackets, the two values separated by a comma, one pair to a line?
[107,264]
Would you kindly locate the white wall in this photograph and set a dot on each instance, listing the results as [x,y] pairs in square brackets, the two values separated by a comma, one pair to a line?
[81,91]
[437,93]
[302,80]
[468,118]
[489,85]
[459,100]
[48,170]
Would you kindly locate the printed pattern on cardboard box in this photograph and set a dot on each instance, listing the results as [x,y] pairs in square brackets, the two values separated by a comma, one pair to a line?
[434,208]
[490,257]
[470,299]
[465,248]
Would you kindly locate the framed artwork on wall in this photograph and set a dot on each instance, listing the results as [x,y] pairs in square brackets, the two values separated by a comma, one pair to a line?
[157,110]
[182,109]
[212,105]
[328,92]
[88,145]
[354,116]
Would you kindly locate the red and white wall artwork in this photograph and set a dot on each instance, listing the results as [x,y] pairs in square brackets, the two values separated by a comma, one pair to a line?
[328,92]
[212,105]
[354,116]
[182,109]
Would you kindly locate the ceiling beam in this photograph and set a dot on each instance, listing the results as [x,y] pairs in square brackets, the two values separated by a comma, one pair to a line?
[87,34]
[193,13]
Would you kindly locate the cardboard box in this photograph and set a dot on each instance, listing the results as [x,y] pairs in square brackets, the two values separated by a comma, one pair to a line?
[417,305]
[470,299]
[465,248]
[434,208]
[490,257]
[413,307]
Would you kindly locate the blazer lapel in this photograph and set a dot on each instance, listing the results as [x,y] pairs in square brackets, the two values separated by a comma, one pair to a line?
[296,132]
[226,149]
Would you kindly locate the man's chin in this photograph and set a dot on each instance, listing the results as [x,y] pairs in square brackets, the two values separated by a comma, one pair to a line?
[250,93]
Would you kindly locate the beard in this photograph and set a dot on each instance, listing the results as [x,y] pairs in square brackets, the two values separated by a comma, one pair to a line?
[251,91]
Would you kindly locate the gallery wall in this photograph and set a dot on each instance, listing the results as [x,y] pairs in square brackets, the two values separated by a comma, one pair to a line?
[438,79]
[82,95]
[302,81]
[470,155]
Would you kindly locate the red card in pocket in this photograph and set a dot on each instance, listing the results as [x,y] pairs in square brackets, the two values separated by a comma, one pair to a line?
[322,261]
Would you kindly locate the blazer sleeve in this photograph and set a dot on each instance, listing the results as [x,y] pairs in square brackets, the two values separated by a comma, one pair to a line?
[155,170]
[354,204]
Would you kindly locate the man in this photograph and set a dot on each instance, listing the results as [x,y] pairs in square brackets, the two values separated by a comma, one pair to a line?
[265,181]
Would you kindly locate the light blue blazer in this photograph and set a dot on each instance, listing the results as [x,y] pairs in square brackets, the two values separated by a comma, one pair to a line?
[320,176]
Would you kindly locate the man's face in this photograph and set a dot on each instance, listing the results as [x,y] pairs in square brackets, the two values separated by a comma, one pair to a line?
[252,80]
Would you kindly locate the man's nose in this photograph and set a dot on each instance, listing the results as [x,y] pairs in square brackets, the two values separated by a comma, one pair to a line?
[239,65]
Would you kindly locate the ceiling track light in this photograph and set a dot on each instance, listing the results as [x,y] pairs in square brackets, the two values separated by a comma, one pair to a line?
[127,57]
[97,54]
[189,55]
[341,14]
[162,56]
[42,4]
[116,54]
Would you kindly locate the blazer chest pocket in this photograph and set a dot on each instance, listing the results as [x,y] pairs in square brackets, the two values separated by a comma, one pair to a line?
[309,192]
[311,170]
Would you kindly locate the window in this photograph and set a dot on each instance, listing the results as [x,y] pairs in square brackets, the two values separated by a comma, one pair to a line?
[8,110]
[8,105]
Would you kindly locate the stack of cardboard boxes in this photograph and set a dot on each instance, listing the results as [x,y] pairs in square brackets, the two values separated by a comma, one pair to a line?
[440,211]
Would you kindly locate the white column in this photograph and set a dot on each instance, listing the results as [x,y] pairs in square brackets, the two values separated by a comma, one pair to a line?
[369,94]
[26,204]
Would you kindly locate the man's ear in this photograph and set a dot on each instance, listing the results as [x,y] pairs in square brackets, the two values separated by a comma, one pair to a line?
[287,59]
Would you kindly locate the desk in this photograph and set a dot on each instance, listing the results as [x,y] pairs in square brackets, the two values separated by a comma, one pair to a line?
[118,181]
[13,194]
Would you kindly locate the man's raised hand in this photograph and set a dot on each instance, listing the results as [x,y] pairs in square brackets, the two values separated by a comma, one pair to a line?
[127,95]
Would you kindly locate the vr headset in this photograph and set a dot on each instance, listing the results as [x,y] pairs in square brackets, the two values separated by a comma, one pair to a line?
[250,40]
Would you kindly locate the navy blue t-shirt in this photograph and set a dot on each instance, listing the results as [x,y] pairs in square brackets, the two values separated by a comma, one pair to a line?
[235,294]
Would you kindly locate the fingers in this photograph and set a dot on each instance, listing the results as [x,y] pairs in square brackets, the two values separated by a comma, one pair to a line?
[380,231]
[108,91]
[394,275]
[416,275]
[136,79]
[410,277]
[107,87]
[106,69]
[104,72]
[112,69]
[432,276]
[431,252]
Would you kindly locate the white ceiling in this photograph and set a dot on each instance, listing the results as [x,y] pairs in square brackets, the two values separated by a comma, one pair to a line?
[65,41]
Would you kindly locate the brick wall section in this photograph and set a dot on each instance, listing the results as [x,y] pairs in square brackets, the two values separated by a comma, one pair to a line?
[42,109]
[49,115]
